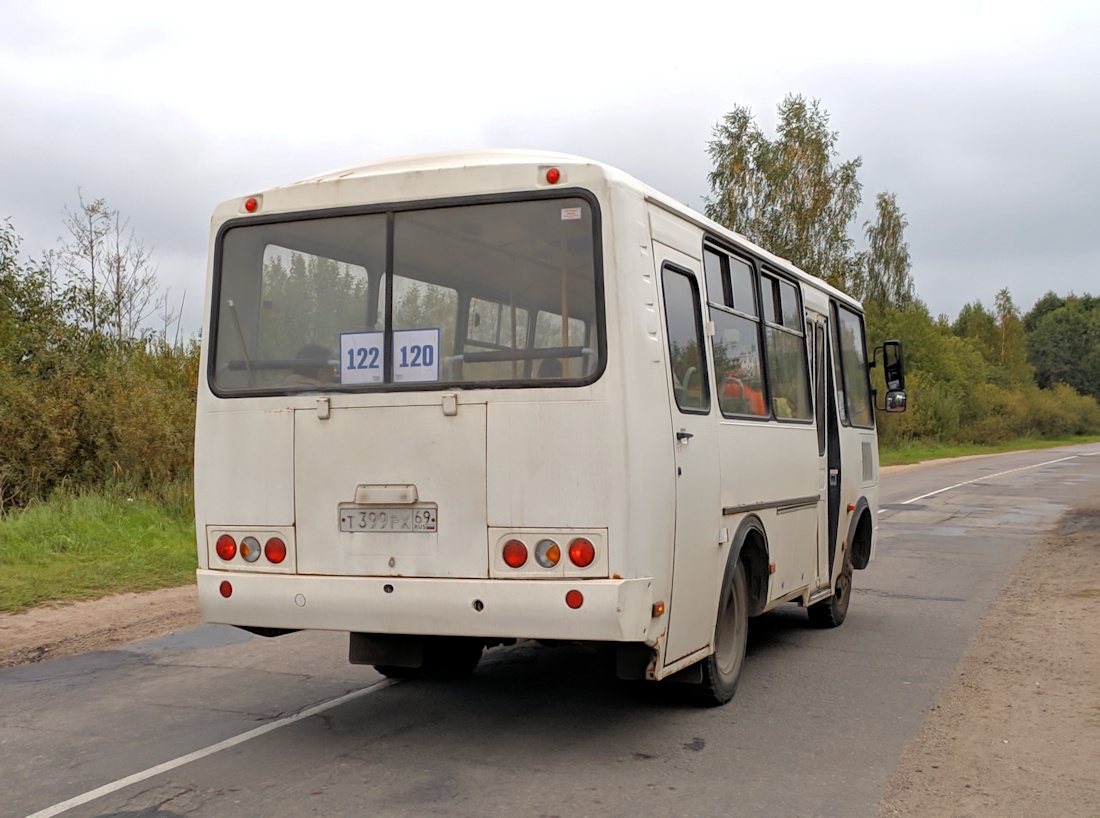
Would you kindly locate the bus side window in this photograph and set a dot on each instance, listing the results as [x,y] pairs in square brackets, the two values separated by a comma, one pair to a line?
[738,363]
[685,342]
[855,375]
[785,350]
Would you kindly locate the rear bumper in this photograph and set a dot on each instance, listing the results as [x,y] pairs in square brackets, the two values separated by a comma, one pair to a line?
[616,610]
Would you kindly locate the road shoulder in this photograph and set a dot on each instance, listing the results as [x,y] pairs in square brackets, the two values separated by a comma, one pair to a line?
[50,631]
[1017,732]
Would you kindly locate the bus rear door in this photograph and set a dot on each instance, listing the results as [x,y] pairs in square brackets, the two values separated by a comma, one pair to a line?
[698,555]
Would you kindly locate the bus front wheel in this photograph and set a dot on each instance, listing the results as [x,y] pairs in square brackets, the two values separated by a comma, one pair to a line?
[830,613]
[722,669]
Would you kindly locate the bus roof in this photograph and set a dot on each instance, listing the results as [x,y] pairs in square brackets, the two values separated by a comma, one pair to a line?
[488,158]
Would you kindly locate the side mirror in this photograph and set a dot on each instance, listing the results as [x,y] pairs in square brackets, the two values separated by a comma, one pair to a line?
[895,401]
[893,370]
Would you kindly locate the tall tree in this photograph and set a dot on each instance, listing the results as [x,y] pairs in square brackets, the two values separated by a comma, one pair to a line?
[1064,343]
[82,256]
[113,284]
[789,194]
[1013,343]
[886,277]
[130,285]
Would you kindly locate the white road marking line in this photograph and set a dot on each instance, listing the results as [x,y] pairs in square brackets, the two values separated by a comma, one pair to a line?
[978,479]
[122,783]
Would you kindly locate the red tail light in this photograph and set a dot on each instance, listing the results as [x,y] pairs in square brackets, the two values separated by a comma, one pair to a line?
[515,553]
[226,547]
[275,550]
[574,599]
[581,552]
[226,589]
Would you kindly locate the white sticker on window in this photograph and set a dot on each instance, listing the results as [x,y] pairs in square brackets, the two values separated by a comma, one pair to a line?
[570,214]
[415,355]
[361,357]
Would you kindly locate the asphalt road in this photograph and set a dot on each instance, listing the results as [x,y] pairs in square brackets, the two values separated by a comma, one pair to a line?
[213,722]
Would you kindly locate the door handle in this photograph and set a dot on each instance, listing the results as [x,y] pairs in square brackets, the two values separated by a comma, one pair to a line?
[682,435]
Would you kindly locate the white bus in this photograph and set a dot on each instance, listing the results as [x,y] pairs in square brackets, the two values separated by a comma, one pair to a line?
[457,400]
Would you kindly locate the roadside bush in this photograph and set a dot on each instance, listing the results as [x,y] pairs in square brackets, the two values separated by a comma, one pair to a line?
[125,417]
[1060,411]
[932,414]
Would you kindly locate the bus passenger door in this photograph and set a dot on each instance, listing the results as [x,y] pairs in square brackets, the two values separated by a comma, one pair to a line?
[698,554]
[828,449]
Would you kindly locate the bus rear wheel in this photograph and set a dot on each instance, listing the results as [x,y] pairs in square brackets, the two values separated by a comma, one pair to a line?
[446,658]
[722,669]
[831,612]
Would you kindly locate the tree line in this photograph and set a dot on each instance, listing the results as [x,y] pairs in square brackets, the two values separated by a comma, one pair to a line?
[990,375]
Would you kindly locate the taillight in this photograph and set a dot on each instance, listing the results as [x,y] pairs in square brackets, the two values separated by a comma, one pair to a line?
[574,599]
[581,552]
[250,549]
[226,589]
[547,553]
[515,554]
[226,547]
[275,550]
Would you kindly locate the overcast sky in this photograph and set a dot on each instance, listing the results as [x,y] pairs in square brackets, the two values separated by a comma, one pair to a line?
[983,118]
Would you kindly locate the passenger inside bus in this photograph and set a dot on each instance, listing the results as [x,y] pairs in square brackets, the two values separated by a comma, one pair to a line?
[740,399]
[314,367]
[550,368]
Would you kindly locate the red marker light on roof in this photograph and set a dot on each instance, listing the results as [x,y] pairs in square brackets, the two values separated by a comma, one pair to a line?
[553,176]
[251,204]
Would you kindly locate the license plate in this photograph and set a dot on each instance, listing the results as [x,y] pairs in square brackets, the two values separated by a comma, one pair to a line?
[388,519]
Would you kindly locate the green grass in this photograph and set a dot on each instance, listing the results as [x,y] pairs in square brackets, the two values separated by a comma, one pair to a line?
[916,453]
[88,546]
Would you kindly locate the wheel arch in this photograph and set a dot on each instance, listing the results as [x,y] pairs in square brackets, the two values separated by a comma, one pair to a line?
[750,545]
[860,534]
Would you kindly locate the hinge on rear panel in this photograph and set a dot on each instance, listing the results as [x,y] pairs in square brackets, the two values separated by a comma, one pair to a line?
[324,408]
[450,404]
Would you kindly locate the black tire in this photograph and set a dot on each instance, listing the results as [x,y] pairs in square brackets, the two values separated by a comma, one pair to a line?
[394,672]
[446,658]
[722,669]
[831,612]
